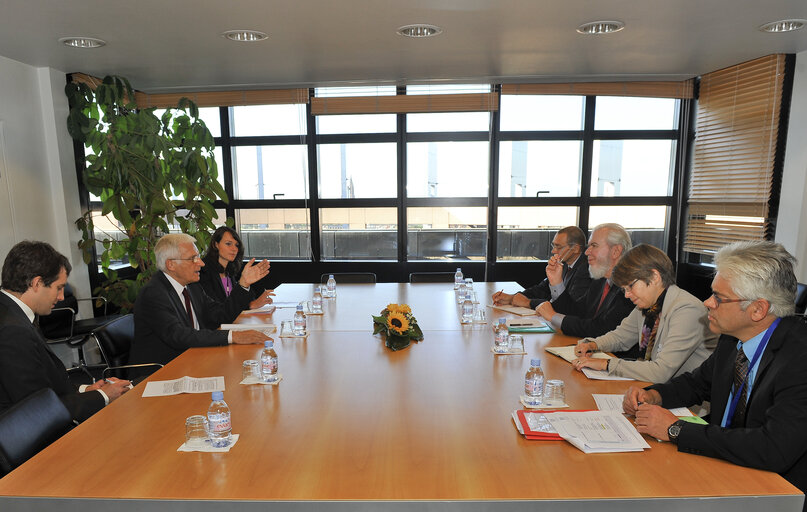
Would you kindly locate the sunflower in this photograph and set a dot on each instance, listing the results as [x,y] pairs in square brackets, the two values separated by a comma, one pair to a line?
[404,308]
[397,322]
[394,308]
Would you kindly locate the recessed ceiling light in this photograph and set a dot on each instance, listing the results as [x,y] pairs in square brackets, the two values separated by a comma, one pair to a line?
[244,36]
[783,26]
[600,27]
[419,30]
[82,42]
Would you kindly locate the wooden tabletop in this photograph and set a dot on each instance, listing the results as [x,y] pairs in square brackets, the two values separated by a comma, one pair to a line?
[354,421]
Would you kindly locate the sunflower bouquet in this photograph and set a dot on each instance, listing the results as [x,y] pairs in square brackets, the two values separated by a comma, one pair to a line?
[398,325]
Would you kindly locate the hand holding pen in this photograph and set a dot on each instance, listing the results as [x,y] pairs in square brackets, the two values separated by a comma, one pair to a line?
[554,267]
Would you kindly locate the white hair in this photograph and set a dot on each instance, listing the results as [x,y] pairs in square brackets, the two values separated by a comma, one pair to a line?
[167,247]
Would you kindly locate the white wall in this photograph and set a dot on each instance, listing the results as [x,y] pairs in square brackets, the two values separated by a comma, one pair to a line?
[791,228]
[38,188]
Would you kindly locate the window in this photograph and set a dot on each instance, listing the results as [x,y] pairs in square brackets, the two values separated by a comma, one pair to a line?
[359,233]
[357,170]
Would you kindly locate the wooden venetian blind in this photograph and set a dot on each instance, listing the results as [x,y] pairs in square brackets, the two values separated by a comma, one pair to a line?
[680,90]
[424,103]
[734,154]
[209,98]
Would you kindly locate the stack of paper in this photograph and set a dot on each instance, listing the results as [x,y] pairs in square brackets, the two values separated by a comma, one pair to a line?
[528,325]
[597,431]
[516,310]
[534,425]
[567,353]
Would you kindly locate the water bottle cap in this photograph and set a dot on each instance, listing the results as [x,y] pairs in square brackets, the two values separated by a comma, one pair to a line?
[459,269]
[268,344]
[300,306]
[218,395]
[502,320]
[330,276]
[535,362]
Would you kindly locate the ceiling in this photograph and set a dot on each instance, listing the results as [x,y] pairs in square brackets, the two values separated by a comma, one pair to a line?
[176,45]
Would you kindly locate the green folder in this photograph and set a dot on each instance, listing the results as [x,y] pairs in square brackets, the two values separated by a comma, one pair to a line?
[531,329]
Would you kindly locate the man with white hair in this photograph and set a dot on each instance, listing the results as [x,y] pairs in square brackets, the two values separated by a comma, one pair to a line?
[172,312]
[755,379]
[603,306]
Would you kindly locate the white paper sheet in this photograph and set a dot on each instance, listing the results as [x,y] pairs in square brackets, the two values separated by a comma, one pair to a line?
[601,375]
[183,385]
[567,353]
[598,431]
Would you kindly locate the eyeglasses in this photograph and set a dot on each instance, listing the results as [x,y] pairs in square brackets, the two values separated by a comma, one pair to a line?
[720,301]
[557,247]
[629,288]
[193,259]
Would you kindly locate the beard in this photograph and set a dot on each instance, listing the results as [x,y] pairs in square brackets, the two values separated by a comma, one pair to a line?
[597,271]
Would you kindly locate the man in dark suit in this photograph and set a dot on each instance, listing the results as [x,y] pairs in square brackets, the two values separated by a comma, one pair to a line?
[755,379]
[565,270]
[33,278]
[172,312]
[603,306]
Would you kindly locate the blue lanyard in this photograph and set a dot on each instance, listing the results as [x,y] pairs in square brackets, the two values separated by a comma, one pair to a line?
[760,348]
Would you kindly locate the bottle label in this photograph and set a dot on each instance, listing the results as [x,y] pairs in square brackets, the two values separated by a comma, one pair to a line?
[270,365]
[221,425]
[532,386]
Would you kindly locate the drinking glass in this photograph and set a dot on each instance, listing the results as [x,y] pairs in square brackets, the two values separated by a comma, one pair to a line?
[516,343]
[196,431]
[251,368]
[554,393]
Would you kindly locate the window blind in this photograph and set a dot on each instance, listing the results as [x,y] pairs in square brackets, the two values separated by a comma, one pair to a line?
[421,103]
[734,154]
[680,90]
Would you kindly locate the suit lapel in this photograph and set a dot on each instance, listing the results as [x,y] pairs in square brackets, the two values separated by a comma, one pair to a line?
[774,344]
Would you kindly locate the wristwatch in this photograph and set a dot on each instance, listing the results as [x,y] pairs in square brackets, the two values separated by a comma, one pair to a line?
[674,430]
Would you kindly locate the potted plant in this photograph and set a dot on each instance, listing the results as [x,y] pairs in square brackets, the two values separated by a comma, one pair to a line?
[150,172]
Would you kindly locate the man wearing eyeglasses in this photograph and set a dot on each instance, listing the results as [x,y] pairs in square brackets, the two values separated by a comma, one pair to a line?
[565,270]
[755,379]
[172,312]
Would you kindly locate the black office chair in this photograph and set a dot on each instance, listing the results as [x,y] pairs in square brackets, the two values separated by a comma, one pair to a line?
[115,342]
[62,326]
[801,298]
[29,426]
[349,277]
[431,277]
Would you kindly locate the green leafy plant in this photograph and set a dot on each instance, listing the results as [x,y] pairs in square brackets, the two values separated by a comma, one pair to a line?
[398,326]
[150,171]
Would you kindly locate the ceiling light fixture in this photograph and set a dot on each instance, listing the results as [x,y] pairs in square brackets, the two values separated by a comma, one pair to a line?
[600,27]
[776,27]
[419,30]
[82,42]
[244,36]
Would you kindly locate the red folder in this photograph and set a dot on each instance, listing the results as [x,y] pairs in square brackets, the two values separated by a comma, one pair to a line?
[536,434]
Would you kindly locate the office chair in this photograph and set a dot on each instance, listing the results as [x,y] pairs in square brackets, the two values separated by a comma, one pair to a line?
[349,277]
[431,277]
[61,326]
[29,426]
[801,298]
[115,342]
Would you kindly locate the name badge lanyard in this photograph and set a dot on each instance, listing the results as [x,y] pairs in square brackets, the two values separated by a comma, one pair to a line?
[760,348]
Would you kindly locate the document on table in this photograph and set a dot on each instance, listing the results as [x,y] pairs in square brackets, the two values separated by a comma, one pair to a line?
[601,375]
[567,353]
[528,325]
[516,310]
[183,385]
[264,328]
[285,305]
[598,431]
[266,309]
[614,403]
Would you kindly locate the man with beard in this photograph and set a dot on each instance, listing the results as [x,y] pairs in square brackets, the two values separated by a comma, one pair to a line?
[603,306]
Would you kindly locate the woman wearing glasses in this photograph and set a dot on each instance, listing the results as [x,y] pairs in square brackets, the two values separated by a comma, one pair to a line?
[666,331]
[223,266]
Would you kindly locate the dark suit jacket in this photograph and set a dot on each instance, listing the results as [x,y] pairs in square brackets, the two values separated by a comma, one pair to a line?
[577,282]
[582,316]
[774,436]
[162,328]
[28,365]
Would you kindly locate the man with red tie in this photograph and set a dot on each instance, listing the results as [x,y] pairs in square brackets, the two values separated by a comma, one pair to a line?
[754,380]
[173,313]
[603,306]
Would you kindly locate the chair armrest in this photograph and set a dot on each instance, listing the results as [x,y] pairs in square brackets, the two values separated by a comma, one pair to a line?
[53,341]
[106,302]
[129,366]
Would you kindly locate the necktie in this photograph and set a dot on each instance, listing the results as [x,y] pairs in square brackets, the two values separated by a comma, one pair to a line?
[605,290]
[188,305]
[740,374]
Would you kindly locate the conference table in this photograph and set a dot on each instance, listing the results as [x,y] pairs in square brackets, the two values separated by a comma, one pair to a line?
[355,426]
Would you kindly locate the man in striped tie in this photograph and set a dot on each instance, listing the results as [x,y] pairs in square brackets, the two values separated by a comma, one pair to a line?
[755,379]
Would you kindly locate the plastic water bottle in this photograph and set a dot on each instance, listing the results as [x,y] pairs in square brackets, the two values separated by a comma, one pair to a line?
[458,279]
[299,321]
[467,308]
[268,362]
[218,420]
[331,284]
[461,292]
[534,383]
[316,301]
[500,340]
